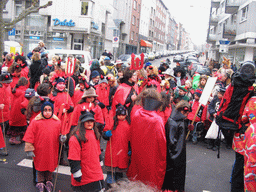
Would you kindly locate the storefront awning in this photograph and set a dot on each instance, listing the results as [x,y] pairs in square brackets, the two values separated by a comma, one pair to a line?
[144,43]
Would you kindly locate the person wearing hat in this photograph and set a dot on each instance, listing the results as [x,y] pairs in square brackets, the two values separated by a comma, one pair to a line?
[175,131]
[21,60]
[29,93]
[79,91]
[88,103]
[8,61]
[95,77]
[17,121]
[118,64]
[148,141]
[118,131]
[125,93]
[168,74]
[200,116]
[60,96]
[34,105]
[181,94]
[83,156]
[5,79]
[180,75]
[42,144]
[95,66]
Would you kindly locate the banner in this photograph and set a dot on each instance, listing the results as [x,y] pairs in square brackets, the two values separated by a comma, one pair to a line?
[207,90]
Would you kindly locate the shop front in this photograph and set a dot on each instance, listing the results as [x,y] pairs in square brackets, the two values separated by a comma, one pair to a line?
[145,46]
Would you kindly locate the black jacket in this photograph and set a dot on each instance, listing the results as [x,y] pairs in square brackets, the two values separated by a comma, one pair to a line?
[176,152]
[213,107]
[35,71]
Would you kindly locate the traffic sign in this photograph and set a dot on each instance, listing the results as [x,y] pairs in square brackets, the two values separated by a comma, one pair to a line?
[223,42]
[115,39]
[12,32]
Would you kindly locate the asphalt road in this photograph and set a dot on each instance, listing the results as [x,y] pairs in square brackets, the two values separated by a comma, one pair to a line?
[204,171]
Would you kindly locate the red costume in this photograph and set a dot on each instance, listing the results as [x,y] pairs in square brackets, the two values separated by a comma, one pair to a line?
[121,95]
[148,146]
[86,106]
[102,90]
[88,154]
[44,134]
[5,99]
[77,96]
[166,113]
[191,115]
[8,63]
[119,143]
[16,117]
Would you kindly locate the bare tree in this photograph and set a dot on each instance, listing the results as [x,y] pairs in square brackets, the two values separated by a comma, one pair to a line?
[9,25]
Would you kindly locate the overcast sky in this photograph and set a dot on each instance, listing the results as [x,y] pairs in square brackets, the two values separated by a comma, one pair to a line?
[193,14]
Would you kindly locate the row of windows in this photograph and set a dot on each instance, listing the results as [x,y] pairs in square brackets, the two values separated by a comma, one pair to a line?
[134,21]
[135,5]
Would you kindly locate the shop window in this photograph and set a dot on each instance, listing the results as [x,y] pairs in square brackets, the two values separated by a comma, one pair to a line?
[17,32]
[84,8]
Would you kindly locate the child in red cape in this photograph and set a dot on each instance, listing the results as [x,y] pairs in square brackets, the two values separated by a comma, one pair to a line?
[116,155]
[42,143]
[84,152]
[5,78]
[18,122]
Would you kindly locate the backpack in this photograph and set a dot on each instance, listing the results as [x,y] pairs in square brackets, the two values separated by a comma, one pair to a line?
[235,98]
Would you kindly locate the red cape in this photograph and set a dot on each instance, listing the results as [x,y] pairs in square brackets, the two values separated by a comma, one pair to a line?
[77,96]
[44,135]
[16,117]
[119,143]
[103,93]
[120,96]
[148,143]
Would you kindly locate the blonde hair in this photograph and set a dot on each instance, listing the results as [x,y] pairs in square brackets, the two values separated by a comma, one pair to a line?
[36,56]
[153,71]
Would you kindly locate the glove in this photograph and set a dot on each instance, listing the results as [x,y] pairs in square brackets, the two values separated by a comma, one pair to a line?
[129,153]
[63,138]
[109,108]
[108,133]
[102,106]
[78,175]
[190,127]
[30,154]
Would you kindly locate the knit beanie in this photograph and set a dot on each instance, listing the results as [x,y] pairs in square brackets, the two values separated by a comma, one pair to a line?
[198,92]
[95,74]
[47,103]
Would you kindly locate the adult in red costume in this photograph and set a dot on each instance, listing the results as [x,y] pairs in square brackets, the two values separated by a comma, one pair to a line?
[23,64]
[42,143]
[8,61]
[17,120]
[148,142]
[125,93]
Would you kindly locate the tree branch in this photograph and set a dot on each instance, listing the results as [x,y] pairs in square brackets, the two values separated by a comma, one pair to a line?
[26,12]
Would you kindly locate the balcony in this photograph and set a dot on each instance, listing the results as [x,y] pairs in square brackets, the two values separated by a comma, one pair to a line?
[212,38]
[214,20]
[232,6]
[215,3]
[229,31]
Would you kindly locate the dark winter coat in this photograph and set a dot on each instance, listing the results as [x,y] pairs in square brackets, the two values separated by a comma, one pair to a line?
[35,72]
[176,152]
[213,107]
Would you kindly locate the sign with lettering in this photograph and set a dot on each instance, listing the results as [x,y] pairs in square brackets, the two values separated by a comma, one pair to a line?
[63,23]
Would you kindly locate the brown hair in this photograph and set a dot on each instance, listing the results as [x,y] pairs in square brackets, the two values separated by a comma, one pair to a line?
[22,82]
[82,131]
[181,105]
[148,93]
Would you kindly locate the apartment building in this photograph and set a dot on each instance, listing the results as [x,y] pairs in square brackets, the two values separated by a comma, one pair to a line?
[233,22]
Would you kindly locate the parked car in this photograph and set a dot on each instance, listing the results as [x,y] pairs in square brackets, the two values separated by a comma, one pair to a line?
[157,55]
[202,70]
[151,56]
[125,58]
[178,58]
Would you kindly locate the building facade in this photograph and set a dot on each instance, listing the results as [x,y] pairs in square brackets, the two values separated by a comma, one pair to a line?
[233,23]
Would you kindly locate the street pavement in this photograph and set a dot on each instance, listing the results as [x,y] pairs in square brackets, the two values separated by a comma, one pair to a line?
[205,173]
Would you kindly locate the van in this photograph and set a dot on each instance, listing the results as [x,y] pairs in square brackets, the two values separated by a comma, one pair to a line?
[12,47]
[83,56]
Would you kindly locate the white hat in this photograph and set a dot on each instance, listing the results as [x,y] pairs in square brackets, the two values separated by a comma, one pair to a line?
[169,72]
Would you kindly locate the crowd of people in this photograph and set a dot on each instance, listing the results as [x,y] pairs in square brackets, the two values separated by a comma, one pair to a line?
[144,115]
